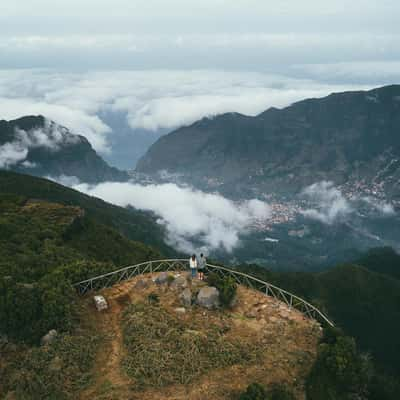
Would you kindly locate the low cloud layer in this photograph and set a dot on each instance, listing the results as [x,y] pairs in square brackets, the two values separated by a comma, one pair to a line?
[380,206]
[51,137]
[150,100]
[330,204]
[190,216]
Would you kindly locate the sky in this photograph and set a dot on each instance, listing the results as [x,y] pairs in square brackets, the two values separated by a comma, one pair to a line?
[186,34]
[124,72]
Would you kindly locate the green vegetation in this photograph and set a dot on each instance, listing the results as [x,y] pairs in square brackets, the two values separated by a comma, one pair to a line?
[44,247]
[163,350]
[340,372]
[133,224]
[366,304]
[255,391]
[383,260]
[49,240]
[55,371]
[226,286]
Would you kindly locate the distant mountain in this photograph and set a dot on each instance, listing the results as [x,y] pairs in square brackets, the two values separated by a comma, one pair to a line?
[344,137]
[37,146]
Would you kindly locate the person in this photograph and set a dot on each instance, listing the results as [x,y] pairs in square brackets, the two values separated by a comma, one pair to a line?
[193,265]
[201,265]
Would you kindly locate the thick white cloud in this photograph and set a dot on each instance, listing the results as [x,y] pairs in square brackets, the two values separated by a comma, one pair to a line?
[330,204]
[190,216]
[151,99]
[51,137]
[381,206]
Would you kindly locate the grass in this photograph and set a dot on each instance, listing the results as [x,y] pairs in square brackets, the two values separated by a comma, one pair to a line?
[57,371]
[164,350]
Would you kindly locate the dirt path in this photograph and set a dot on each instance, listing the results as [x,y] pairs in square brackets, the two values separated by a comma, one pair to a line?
[109,378]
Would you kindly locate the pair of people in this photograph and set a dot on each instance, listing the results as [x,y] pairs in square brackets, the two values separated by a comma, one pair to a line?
[198,265]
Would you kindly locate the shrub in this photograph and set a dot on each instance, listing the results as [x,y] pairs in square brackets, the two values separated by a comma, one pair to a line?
[226,286]
[153,298]
[254,391]
[170,279]
[279,392]
[340,371]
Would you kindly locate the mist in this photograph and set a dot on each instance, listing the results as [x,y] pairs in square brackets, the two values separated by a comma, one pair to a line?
[194,220]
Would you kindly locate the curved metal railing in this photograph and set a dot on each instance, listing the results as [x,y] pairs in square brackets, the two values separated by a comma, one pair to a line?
[111,278]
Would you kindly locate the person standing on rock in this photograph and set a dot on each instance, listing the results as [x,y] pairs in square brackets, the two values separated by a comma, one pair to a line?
[193,265]
[201,265]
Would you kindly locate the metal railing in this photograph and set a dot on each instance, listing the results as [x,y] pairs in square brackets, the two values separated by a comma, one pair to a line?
[111,278]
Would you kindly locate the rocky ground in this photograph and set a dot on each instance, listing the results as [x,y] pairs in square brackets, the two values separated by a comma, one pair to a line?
[286,341]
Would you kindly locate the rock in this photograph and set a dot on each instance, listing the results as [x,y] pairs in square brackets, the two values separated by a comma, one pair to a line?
[56,364]
[208,297]
[180,310]
[100,302]
[49,337]
[142,284]
[162,278]
[180,282]
[186,297]
[251,314]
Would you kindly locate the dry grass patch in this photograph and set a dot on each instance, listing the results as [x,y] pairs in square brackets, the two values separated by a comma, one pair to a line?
[163,349]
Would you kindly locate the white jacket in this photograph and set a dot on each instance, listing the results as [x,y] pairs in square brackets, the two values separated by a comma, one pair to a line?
[192,263]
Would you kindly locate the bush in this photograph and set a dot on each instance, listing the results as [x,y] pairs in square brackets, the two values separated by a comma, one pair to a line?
[153,298]
[280,392]
[254,391]
[226,286]
[340,371]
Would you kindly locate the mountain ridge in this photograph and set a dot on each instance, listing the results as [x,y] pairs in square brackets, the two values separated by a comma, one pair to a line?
[38,146]
[349,136]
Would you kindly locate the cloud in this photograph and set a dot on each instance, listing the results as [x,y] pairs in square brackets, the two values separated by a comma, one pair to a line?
[51,137]
[192,218]
[150,100]
[381,206]
[12,154]
[330,204]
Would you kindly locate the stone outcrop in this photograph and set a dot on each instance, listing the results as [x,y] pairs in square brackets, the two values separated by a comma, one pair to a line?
[186,297]
[208,297]
[49,337]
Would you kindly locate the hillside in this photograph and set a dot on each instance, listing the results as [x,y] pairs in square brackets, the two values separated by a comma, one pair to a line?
[135,225]
[345,137]
[159,350]
[362,302]
[37,146]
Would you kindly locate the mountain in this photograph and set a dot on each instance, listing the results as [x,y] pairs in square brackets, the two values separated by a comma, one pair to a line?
[344,137]
[37,146]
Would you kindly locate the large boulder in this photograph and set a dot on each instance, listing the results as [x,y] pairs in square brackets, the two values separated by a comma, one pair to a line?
[180,282]
[142,284]
[162,278]
[186,297]
[208,297]
[100,302]
[49,337]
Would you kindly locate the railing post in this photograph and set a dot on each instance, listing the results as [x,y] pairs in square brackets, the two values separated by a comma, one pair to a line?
[151,267]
